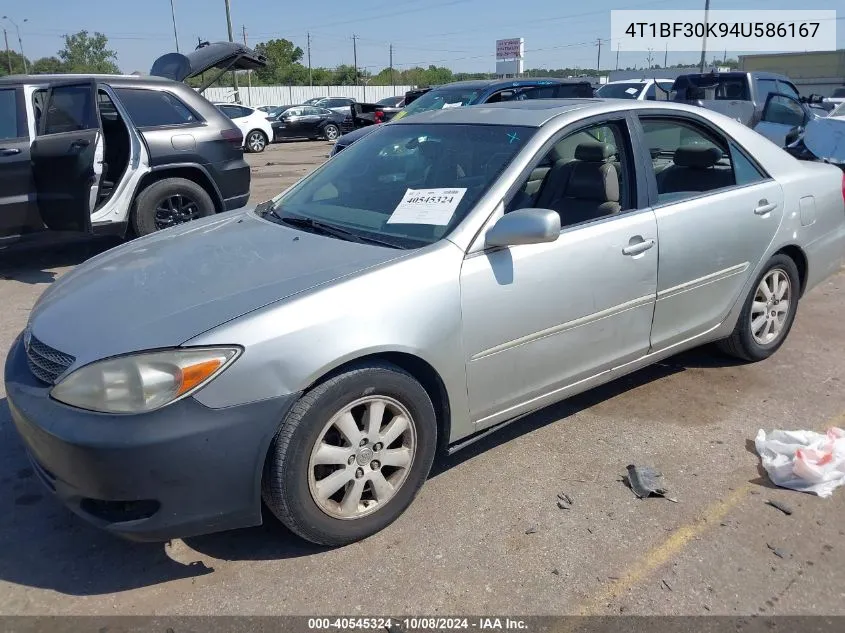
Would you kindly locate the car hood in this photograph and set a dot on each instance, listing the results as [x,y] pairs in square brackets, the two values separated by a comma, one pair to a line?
[164,289]
[348,139]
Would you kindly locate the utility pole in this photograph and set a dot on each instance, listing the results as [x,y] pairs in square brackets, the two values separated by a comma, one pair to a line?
[598,61]
[173,16]
[248,73]
[8,53]
[355,55]
[232,39]
[704,39]
[650,57]
[392,82]
[310,80]
[618,48]
[20,41]
[666,57]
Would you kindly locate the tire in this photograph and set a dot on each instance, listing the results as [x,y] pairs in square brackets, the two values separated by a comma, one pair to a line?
[331,132]
[149,212]
[290,485]
[743,343]
[255,142]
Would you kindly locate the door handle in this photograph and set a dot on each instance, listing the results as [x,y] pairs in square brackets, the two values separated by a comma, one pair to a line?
[639,247]
[80,142]
[764,207]
[9,151]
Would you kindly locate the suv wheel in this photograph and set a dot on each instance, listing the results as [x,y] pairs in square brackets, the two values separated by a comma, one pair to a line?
[169,202]
[255,142]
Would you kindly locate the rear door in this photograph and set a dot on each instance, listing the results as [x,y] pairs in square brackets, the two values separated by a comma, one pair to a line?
[67,156]
[17,192]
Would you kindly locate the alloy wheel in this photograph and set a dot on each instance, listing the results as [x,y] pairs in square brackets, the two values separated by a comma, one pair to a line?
[362,457]
[770,308]
[256,141]
[331,132]
[175,209]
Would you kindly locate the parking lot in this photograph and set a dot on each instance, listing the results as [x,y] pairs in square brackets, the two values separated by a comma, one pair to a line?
[486,534]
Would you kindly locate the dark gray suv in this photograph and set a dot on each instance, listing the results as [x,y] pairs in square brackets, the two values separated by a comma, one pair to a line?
[120,154]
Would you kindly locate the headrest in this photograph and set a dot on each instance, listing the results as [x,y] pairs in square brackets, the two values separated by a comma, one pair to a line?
[594,152]
[594,182]
[699,157]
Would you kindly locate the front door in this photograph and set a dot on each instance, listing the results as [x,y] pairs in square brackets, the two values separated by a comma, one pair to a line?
[781,114]
[717,213]
[539,318]
[67,156]
[18,210]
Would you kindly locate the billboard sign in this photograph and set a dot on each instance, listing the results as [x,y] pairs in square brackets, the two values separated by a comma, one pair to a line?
[513,48]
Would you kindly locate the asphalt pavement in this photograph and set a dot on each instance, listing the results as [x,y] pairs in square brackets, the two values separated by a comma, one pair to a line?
[486,535]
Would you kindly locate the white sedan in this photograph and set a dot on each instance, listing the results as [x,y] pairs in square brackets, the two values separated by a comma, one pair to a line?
[257,130]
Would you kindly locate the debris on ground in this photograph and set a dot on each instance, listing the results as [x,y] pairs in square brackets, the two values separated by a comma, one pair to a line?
[564,501]
[780,506]
[780,553]
[531,530]
[667,585]
[556,572]
[643,481]
[804,460]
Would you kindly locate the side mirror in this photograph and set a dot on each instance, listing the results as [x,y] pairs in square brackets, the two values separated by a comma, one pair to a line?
[524,226]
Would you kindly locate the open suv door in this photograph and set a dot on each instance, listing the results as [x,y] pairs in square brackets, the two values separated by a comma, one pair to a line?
[223,56]
[67,156]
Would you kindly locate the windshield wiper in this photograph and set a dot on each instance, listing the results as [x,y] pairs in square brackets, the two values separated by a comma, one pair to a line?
[331,229]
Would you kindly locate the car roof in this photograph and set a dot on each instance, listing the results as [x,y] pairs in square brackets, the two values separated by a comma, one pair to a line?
[148,81]
[536,112]
[504,83]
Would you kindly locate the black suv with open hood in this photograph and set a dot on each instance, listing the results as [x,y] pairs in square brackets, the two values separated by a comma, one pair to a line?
[120,153]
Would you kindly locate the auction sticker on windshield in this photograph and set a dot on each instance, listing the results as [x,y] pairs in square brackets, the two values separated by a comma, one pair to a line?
[427,206]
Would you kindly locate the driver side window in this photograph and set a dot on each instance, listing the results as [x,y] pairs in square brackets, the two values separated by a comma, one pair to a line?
[782,109]
[585,176]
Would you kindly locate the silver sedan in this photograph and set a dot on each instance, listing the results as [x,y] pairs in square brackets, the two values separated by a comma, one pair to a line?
[442,277]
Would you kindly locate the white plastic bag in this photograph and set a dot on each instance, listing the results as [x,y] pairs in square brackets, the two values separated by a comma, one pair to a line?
[804,460]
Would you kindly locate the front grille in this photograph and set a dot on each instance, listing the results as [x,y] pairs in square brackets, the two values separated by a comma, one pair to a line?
[46,363]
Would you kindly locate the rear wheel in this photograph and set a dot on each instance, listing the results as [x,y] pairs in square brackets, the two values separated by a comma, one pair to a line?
[351,455]
[167,203]
[331,132]
[768,313]
[255,142]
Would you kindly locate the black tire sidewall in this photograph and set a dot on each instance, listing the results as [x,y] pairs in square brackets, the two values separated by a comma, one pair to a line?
[755,350]
[290,469]
[246,142]
[143,212]
[337,132]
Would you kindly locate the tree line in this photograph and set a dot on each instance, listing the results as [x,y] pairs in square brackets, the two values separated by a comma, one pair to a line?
[85,52]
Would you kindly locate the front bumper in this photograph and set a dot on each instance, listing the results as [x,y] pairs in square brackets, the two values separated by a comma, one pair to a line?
[180,471]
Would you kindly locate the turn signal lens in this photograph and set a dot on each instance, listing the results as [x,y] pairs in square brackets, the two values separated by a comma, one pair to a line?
[142,382]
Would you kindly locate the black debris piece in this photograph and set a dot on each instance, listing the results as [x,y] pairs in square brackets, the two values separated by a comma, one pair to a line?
[780,506]
[564,501]
[556,572]
[667,585]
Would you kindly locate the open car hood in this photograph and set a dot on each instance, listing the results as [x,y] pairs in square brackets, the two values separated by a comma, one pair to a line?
[825,138]
[224,56]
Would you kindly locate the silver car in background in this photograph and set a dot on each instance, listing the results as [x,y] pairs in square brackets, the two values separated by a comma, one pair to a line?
[442,277]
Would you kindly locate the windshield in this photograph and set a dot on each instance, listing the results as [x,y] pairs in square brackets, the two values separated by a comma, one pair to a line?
[838,111]
[408,185]
[439,99]
[390,101]
[620,91]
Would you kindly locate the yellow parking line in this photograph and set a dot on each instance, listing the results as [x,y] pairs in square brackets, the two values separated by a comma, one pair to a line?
[674,544]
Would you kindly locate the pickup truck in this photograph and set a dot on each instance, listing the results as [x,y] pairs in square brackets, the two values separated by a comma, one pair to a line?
[767,102]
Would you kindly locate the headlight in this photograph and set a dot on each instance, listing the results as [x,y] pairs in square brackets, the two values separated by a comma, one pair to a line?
[142,382]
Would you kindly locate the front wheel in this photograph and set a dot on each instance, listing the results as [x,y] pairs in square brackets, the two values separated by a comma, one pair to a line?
[255,142]
[768,313]
[351,455]
[331,132]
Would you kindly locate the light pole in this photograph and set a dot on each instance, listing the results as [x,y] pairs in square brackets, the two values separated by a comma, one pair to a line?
[20,42]
[173,16]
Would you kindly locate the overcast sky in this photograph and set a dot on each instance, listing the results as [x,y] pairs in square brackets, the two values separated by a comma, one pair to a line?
[459,34]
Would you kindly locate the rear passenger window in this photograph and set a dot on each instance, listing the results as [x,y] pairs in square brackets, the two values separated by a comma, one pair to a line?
[687,161]
[745,172]
[70,110]
[9,118]
[151,108]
